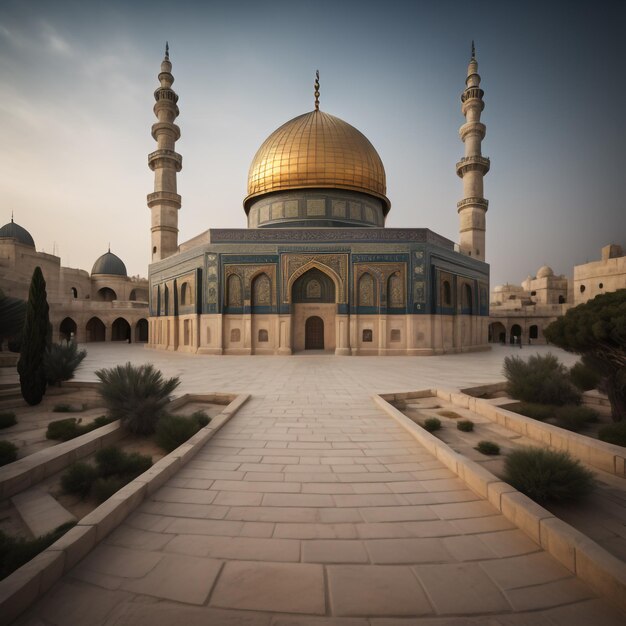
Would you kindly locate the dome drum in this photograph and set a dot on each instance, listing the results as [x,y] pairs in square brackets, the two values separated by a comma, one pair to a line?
[318,208]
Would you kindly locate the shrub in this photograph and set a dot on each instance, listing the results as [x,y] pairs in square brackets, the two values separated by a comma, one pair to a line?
[584,377]
[488,447]
[172,430]
[575,418]
[547,475]
[8,452]
[201,418]
[432,424]
[104,488]
[614,433]
[62,408]
[136,395]
[112,461]
[7,418]
[536,411]
[35,338]
[541,379]
[450,414]
[78,478]
[465,425]
[16,551]
[69,428]
[64,430]
[61,361]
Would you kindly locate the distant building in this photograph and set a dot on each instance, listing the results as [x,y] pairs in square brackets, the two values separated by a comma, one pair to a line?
[523,311]
[106,305]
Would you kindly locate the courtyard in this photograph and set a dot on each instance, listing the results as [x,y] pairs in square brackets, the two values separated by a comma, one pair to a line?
[312,506]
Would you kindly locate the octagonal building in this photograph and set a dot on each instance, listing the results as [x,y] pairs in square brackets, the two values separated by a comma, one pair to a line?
[316,269]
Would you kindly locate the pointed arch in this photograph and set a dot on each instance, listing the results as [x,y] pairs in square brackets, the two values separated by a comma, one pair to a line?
[395,291]
[367,289]
[261,290]
[234,291]
[325,269]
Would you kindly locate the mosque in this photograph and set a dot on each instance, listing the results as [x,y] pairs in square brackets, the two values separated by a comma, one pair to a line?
[316,269]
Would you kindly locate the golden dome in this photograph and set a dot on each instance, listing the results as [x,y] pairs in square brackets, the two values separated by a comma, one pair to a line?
[317,150]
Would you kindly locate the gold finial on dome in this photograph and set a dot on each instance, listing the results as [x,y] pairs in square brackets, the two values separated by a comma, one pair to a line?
[317,90]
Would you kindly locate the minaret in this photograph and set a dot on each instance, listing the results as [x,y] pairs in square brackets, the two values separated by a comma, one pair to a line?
[472,167]
[165,162]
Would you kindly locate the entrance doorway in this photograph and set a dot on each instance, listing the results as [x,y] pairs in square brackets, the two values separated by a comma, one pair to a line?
[314,333]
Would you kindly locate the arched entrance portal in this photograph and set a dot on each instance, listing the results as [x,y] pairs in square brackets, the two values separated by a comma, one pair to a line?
[314,308]
[95,330]
[497,333]
[67,330]
[120,331]
[314,333]
[141,331]
[516,334]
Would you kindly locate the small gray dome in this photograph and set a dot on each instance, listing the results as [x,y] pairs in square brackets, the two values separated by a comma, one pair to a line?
[15,231]
[545,271]
[109,263]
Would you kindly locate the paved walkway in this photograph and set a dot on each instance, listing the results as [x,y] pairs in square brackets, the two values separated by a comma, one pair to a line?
[311,506]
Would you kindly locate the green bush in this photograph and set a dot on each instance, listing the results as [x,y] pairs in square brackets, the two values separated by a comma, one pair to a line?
[7,418]
[432,424]
[575,418]
[112,461]
[488,447]
[63,430]
[69,428]
[104,488]
[449,414]
[614,433]
[465,425]
[584,377]
[16,551]
[172,430]
[201,418]
[136,395]
[536,411]
[78,478]
[8,452]
[547,475]
[61,361]
[541,379]
[62,408]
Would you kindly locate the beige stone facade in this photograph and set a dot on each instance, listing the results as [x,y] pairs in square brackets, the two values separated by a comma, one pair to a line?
[83,306]
[521,312]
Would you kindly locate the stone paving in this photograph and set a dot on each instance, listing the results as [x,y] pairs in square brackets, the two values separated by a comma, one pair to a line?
[311,506]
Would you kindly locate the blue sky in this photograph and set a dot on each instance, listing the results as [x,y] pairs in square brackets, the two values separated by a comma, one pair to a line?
[76,109]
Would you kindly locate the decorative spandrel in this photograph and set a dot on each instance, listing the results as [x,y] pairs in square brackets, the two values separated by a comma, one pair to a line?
[395,291]
[366,290]
[261,291]
[234,295]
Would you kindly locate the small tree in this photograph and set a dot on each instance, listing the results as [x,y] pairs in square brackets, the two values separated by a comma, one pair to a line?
[597,331]
[136,395]
[12,314]
[35,338]
[61,361]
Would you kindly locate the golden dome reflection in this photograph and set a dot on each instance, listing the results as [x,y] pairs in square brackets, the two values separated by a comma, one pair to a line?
[317,150]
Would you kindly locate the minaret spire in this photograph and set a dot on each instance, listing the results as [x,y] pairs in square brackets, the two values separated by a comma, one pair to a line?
[317,90]
[473,166]
[165,162]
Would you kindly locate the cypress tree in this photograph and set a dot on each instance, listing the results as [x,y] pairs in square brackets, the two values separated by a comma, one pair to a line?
[35,338]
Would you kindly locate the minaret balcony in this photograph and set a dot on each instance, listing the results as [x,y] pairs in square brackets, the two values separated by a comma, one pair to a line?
[472,92]
[165,158]
[166,198]
[472,128]
[479,203]
[472,164]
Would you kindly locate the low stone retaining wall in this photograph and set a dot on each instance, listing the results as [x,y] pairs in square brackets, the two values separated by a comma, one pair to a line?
[603,572]
[19,590]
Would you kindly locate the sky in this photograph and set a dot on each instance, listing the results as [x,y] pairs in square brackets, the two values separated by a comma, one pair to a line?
[76,98]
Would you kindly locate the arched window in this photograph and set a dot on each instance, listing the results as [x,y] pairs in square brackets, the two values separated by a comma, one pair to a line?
[396,335]
[561,299]
[395,292]
[235,335]
[234,296]
[533,332]
[261,291]
[74,292]
[367,335]
[446,293]
[367,296]
[106,295]
[582,289]
[467,298]
[313,289]
[184,294]
[263,335]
